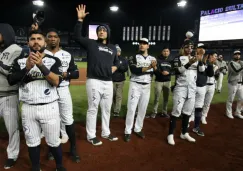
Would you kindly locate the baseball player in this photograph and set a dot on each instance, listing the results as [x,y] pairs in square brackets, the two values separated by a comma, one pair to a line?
[102,62]
[209,90]
[39,75]
[162,82]
[9,104]
[186,68]
[201,87]
[235,85]
[142,67]
[223,71]
[70,71]
[118,79]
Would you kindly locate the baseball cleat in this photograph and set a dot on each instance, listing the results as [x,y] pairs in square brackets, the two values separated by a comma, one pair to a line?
[203,120]
[74,155]
[140,134]
[170,139]
[116,114]
[165,115]
[239,116]
[147,116]
[230,116]
[9,163]
[127,137]
[198,132]
[95,141]
[111,138]
[64,139]
[50,156]
[61,169]
[153,115]
[187,137]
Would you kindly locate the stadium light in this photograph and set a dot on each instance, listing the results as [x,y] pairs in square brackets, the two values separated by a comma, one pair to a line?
[114,8]
[182,3]
[38,2]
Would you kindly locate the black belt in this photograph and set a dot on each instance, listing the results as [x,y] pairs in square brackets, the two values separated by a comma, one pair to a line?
[210,83]
[240,82]
[41,104]
[142,83]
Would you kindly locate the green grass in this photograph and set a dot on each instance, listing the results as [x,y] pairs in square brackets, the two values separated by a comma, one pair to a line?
[80,104]
[81,64]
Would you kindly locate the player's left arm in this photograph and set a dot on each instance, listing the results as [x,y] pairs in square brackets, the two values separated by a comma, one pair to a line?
[210,70]
[72,72]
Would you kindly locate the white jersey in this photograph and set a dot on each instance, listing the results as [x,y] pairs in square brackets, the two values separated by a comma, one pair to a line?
[136,64]
[66,60]
[34,88]
[211,80]
[186,77]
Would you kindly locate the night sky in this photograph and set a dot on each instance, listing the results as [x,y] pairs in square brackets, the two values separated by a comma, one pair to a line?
[62,14]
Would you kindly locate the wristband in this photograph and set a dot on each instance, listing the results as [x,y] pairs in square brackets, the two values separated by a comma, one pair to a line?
[187,65]
[45,71]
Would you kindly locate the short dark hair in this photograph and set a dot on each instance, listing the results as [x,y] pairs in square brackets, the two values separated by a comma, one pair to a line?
[212,53]
[36,32]
[165,47]
[52,30]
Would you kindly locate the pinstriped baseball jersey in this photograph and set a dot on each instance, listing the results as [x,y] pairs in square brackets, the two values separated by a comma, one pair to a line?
[67,63]
[140,62]
[35,88]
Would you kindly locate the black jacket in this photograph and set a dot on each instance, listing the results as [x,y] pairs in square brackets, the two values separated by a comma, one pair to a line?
[119,75]
[100,57]
[163,64]
[203,76]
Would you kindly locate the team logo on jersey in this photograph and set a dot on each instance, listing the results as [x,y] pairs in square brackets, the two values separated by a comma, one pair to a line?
[65,63]
[5,55]
[105,49]
[47,92]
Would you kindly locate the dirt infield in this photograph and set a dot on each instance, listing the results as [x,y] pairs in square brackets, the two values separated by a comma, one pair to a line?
[220,150]
[82,77]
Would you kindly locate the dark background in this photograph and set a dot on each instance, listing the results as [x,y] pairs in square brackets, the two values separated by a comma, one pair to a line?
[62,15]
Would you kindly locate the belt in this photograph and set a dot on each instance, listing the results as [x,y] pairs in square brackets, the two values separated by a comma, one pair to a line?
[240,82]
[142,83]
[210,83]
[41,104]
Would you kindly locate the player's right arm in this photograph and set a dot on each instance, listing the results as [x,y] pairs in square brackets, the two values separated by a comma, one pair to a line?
[178,66]
[137,70]
[81,14]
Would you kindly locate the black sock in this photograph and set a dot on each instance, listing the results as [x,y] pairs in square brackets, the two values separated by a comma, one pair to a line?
[185,121]
[34,154]
[172,124]
[57,154]
[198,115]
[72,138]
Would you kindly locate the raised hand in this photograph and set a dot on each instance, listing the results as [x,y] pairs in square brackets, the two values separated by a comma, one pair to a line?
[37,58]
[193,60]
[34,26]
[30,63]
[81,13]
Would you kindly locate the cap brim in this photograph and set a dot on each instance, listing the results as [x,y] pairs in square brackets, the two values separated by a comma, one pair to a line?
[143,42]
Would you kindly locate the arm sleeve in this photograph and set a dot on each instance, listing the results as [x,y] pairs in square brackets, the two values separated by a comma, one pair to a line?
[85,42]
[16,74]
[209,70]
[234,68]
[116,60]
[133,66]
[179,68]
[57,69]
[72,72]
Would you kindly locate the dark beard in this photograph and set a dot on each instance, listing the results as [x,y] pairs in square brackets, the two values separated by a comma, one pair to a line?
[41,50]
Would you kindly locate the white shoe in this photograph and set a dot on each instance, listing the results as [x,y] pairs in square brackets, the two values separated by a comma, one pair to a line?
[170,139]
[230,116]
[187,137]
[64,139]
[42,134]
[239,116]
[203,119]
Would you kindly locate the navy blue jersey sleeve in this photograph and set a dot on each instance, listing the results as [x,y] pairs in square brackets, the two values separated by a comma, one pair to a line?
[72,72]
